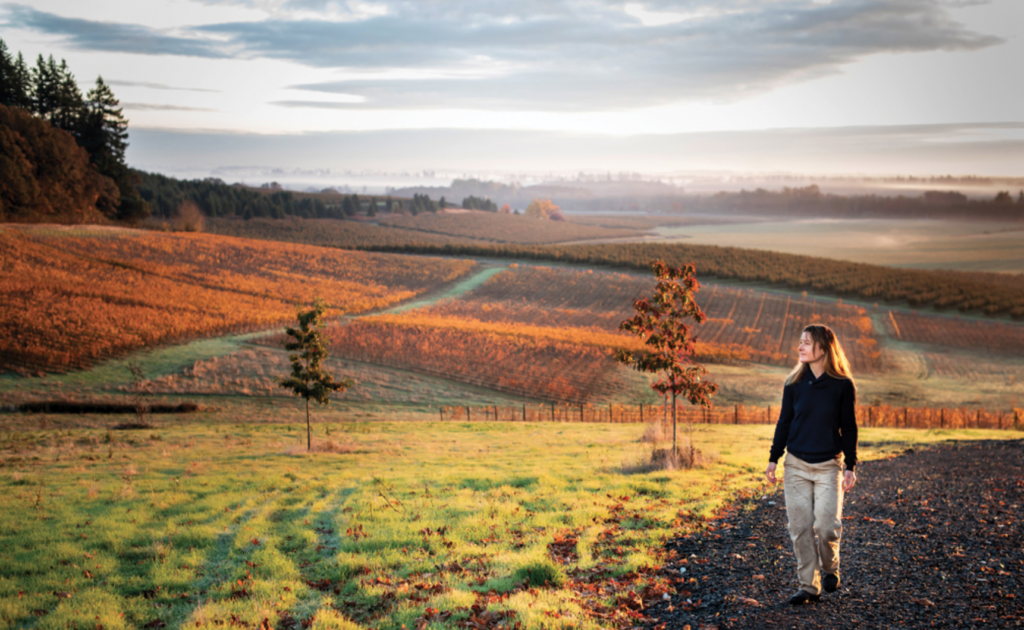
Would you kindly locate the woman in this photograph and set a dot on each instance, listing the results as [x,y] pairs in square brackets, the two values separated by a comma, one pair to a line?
[816,425]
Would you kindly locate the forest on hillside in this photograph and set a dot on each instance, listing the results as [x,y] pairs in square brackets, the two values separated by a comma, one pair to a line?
[63,152]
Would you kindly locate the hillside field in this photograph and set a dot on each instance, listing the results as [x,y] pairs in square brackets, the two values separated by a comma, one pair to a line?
[73,296]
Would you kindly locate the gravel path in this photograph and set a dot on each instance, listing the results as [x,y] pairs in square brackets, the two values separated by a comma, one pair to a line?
[932,538]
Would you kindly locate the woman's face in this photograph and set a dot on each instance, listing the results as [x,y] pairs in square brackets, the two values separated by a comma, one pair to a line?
[809,351]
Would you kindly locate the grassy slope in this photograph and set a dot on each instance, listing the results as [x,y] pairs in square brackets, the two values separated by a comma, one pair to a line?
[191,524]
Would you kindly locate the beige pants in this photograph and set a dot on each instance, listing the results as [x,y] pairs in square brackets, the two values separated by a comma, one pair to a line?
[814,505]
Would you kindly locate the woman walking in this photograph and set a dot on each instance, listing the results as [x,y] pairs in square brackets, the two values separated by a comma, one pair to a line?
[818,426]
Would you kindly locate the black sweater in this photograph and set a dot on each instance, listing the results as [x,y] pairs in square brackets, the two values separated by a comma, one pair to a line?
[817,421]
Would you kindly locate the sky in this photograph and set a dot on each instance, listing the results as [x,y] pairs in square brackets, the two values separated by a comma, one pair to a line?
[318,88]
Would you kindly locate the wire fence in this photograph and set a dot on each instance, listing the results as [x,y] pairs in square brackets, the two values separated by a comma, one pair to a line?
[867,415]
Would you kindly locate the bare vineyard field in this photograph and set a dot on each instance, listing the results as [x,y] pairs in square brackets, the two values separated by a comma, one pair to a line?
[505,228]
[330,233]
[73,297]
[999,337]
[768,325]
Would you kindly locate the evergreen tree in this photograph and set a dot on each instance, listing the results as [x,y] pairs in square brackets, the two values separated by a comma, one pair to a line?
[45,88]
[309,379]
[15,81]
[442,203]
[104,132]
[371,211]
[389,204]
[70,105]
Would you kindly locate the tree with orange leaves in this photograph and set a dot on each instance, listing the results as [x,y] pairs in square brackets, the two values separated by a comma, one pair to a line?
[659,322]
[544,209]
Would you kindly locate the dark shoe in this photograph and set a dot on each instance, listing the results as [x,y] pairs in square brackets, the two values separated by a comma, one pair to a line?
[831,583]
[802,597]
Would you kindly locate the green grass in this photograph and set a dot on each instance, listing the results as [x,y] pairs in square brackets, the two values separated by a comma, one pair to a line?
[194,524]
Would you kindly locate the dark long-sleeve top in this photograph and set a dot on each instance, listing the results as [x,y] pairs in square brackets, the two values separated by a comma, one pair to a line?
[818,420]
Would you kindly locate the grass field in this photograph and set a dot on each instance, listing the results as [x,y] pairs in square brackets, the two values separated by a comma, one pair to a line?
[217,524]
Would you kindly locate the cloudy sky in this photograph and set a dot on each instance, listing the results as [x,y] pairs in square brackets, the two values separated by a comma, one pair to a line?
[872,86]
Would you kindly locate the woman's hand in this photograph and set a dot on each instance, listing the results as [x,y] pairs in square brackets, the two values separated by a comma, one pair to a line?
[770,472]
[849,478]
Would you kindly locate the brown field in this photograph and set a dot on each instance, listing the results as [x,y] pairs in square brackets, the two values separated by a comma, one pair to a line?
[505,228]
[998,337]
[75,296]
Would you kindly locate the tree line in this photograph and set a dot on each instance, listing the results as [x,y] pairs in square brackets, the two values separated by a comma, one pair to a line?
[49,92]
[215,198]
[810,200]
[479,203]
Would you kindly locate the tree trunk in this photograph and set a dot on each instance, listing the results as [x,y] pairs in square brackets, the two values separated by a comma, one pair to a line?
[309,439]
[673,423]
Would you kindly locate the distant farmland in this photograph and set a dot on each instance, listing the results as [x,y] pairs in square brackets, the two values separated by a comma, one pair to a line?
[988,293]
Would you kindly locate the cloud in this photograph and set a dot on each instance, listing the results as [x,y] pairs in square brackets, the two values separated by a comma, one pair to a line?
[159,107]
[109,36]
[156,86]
[575,55]
[987,149]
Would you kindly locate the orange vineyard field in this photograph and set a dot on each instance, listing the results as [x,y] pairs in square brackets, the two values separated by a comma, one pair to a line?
[74,296]
[550,333]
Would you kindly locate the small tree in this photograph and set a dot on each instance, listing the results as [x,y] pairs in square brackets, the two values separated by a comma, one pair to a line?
[309,379]
[189,217]
[659,322]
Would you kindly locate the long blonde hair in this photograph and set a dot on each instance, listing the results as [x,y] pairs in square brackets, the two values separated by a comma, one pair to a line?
[836,364]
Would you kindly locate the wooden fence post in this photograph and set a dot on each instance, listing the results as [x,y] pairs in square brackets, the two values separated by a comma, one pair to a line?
[581,412]
[440,410]
[524,412]
[468,417]
[904,417]
[641,413]
[552,412]
[977,421]
[942,418]
[769,415]
[736,414]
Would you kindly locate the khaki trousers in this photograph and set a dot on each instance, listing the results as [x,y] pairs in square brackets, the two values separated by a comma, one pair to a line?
[814,505]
